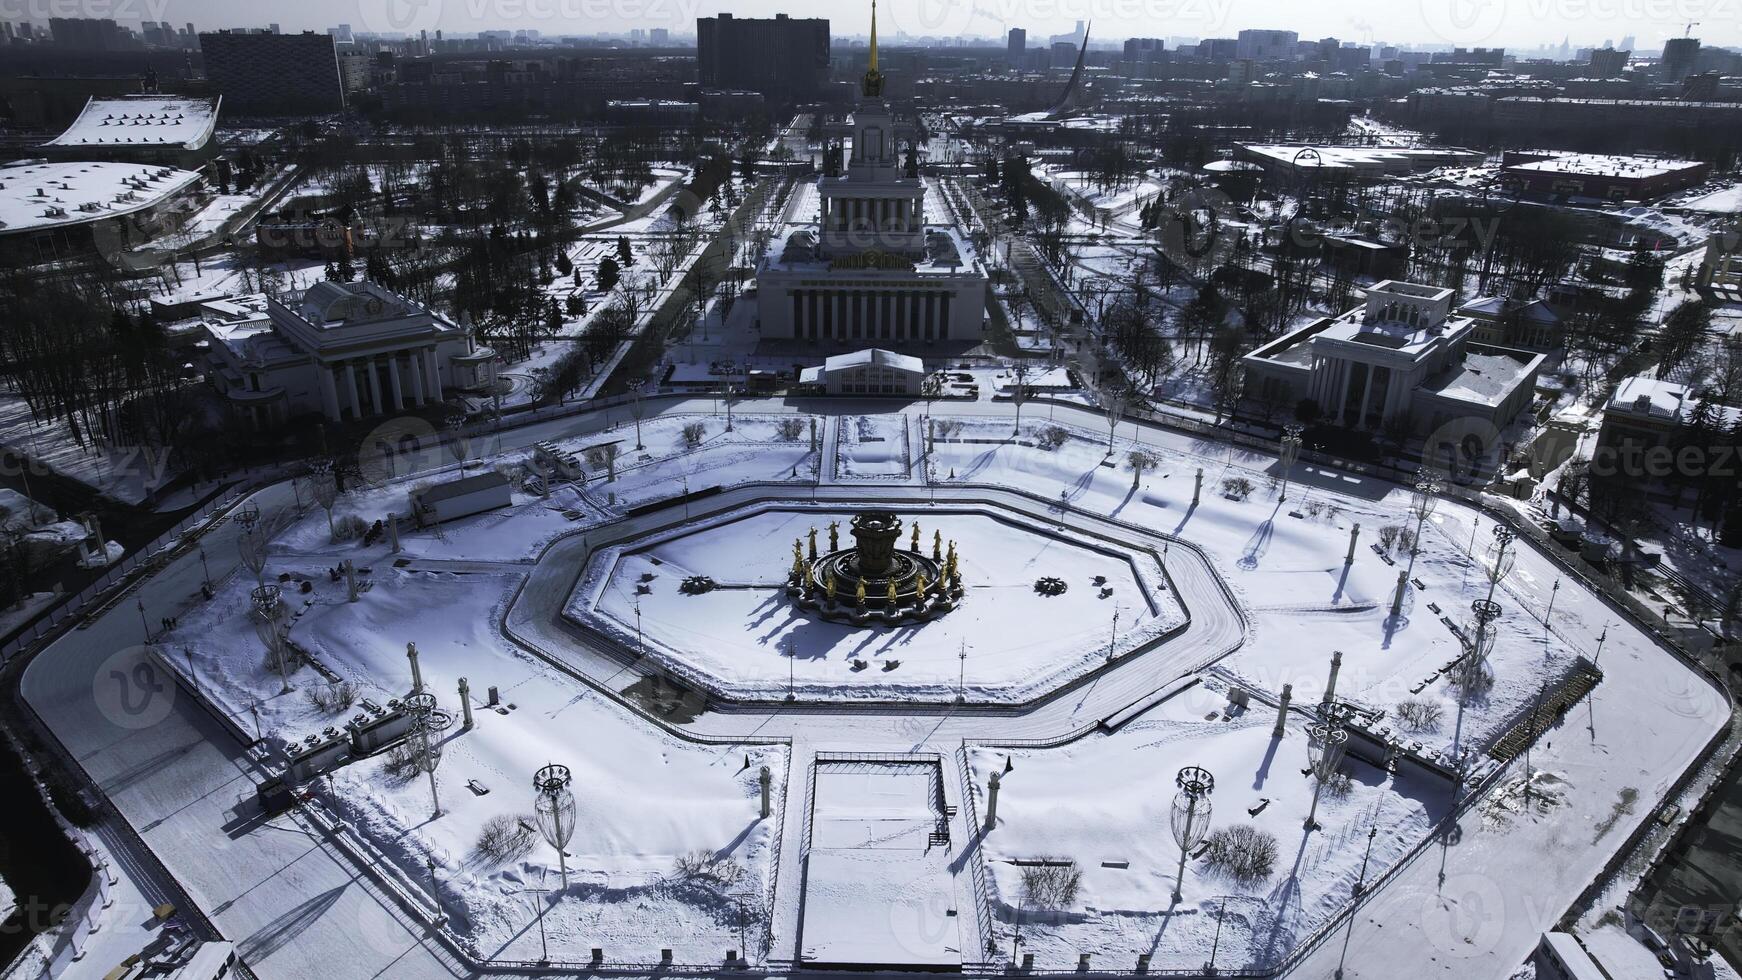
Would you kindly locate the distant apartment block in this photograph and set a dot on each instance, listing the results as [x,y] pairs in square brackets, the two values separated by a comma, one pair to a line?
[274,74]
[783,58]
[1266,45]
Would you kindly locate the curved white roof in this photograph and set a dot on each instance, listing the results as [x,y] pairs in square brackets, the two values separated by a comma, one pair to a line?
[142,121]
[44,195]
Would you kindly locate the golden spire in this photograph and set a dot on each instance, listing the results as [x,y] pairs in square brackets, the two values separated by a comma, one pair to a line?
[872,87]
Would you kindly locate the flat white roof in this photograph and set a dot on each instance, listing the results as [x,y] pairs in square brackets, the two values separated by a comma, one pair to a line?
[1393,158]
[142,121]
[1603,165]
[46,195]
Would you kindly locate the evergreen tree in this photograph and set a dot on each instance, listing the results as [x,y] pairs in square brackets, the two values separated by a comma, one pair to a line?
[625,255]
[609,273]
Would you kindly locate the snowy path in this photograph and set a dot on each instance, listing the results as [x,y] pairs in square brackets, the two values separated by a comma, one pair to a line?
[295,905]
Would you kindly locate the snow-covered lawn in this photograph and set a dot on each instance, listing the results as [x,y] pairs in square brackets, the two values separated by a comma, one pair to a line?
[874,447]
[517,533]
[643,797]
[1285,562]
[749,639]
[1105,801]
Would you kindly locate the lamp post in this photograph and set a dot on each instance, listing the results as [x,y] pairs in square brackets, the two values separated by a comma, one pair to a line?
[1501,564]
[554,811]
[1190,820]
[1326,741]
[142,623]
[1422,502]
[205,568]
[431,721]
[1216,941]
[1290,453]
[1360,886]
[962,673]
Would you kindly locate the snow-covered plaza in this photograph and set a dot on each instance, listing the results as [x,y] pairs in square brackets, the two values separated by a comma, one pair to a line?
[1127,611]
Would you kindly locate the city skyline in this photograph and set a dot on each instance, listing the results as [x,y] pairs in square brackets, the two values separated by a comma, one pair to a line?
[1521,24]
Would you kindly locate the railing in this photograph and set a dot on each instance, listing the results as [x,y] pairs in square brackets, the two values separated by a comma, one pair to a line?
[45,624]
[976,861]
[774,861]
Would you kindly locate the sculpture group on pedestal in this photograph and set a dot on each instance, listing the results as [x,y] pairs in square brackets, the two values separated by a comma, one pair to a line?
[888,585]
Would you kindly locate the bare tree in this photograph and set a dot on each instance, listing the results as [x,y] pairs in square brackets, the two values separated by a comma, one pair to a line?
[1051,883]
[1141,461]
[1113,404]
[457,445]
[252,548]
[325,490]
[604,457]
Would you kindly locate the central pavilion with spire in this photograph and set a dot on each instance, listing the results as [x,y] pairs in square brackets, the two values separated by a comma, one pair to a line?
[869,271]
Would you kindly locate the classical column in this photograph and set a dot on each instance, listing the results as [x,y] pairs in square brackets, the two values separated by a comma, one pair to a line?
[375,403]
[351,387]
[1366,395]
[797,315]
[435,374]
[393,382]
[862,329]
[418,385]
[329,397]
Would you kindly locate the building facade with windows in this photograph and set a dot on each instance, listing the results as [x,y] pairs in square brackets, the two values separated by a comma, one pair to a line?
[1401,362]
[784,58]
[345,350]
[870,269]
[272,74]
[867,372]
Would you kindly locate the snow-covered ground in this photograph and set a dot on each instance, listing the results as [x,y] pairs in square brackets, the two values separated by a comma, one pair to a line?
[644,798]
[750,640]
[1100,800]
[1104,802]
[1284,560]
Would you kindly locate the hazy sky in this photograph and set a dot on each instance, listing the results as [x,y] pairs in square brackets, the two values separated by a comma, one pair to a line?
[1514,23]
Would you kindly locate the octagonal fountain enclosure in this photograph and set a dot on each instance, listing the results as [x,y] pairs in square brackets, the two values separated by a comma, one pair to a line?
[762,629]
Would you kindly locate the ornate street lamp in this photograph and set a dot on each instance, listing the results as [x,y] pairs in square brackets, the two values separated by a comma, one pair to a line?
[1190,819]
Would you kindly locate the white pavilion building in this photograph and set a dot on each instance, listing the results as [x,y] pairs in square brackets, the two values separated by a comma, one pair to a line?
[870,271]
